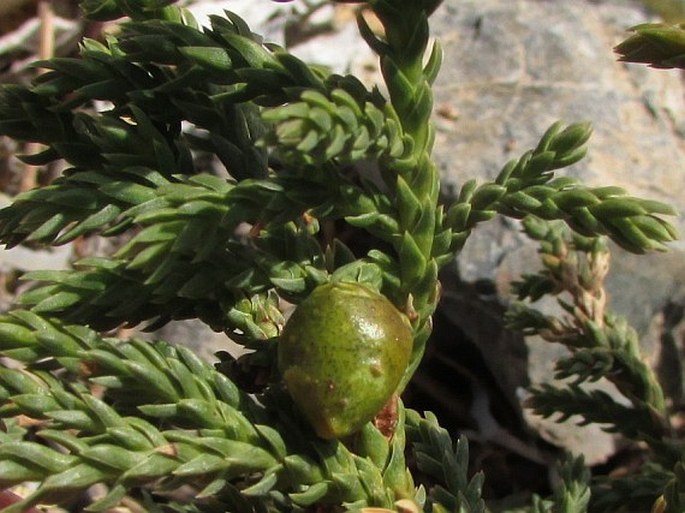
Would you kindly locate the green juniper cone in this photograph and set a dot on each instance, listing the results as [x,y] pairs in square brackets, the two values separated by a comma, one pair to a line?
[342,354]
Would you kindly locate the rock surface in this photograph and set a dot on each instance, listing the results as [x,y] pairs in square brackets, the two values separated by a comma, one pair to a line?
[510,70]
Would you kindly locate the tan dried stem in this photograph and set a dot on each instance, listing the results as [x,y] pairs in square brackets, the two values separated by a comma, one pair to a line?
[583,280]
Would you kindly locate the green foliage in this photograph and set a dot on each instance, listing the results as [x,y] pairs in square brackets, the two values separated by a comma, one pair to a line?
[527,186]
[659,45]
[147,418]
[169,419]
[448,465]
[601,346]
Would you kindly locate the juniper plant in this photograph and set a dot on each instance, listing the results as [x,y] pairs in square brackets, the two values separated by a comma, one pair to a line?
[149,418]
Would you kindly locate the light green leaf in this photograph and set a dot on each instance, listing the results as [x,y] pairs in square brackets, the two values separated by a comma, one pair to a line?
[311,495]
[76,478]
[214,58]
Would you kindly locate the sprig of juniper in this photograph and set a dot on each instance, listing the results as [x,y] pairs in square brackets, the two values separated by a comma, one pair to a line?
[602,345]
[660,46]
[527,186]
[572,493]
[407,170]
[152,63]
[446,464]
[187,261]
[214,435]
[641,491]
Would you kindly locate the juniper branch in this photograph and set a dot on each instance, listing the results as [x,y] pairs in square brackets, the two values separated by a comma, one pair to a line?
[319,129]
[447,463]
[155,94]
[593,407]
[527,186]
[598,339]
[173,72]
[188,260]
[573,494]
[602,345]
[656,44]
[640,490]
[419,240]
[215,435]
[163,265]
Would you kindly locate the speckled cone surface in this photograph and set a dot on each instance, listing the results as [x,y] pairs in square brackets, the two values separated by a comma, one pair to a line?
[342,354]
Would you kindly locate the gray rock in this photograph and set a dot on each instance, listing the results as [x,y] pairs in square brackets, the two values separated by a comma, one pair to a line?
[513,68]
[25,259]
[197,336]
